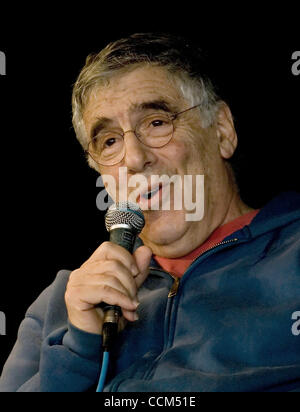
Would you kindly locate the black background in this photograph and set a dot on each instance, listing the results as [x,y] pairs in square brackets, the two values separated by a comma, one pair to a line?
[48,193]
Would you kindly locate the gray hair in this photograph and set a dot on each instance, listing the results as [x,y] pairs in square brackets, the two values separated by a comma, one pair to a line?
[183,61]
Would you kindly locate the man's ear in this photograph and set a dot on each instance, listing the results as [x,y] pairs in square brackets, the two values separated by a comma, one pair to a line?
[225,131]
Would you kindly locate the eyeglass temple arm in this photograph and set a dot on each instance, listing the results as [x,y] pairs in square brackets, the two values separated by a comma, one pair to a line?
[186,110]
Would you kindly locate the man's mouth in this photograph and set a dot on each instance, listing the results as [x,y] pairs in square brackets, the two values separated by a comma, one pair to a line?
[152,193]
[145,198]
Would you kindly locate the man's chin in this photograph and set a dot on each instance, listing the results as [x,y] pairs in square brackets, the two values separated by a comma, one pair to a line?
[164,217]
[163,227]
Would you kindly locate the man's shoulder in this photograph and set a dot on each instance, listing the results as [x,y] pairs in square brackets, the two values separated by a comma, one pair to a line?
[52,295]
[281,212]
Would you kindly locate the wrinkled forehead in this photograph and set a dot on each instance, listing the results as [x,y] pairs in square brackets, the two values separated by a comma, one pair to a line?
[135,82]
[140,89]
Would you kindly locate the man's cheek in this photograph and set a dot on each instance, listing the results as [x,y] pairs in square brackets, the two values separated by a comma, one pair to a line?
[179,152]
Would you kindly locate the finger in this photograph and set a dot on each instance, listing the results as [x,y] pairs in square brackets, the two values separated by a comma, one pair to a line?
[91,296]
[142,256]
[115,269]
[111,251]
[85,291]
[130,315]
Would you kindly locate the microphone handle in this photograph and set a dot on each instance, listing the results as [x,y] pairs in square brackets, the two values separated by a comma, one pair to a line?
[122,235]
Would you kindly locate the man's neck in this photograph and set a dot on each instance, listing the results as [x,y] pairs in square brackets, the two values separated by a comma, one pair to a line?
[197,234]
[236,209]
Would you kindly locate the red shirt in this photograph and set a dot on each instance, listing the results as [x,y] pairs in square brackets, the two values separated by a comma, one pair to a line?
[178,266]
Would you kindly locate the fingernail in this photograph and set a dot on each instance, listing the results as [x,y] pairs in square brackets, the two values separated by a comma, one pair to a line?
[136,303]
[134,270]
[136,316]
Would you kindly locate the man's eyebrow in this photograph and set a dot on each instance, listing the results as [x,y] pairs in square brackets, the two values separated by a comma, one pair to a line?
[161,105]
[98,125]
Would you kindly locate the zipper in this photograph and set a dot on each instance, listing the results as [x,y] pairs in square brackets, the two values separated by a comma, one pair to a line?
[172,293]
[211,248]
[176,280]
[216,245]
[174,288]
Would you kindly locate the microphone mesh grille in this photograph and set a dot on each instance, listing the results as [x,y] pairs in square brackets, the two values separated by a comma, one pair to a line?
[125,213]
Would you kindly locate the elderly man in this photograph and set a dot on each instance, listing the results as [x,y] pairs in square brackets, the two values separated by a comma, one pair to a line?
[207,304]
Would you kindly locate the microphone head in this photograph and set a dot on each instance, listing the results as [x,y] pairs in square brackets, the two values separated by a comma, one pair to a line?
[125,213]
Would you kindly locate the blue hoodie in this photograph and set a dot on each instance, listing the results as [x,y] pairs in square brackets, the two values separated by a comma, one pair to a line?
[229,326]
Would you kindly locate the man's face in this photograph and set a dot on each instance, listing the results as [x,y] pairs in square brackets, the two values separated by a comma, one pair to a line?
[193,150]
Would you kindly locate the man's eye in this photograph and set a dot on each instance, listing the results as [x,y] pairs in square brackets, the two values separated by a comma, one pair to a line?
[109,142]
[157,123]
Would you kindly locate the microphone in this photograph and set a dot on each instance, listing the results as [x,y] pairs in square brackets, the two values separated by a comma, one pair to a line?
[124,221]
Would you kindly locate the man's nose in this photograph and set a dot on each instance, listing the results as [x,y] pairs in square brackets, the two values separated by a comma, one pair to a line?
[136,154]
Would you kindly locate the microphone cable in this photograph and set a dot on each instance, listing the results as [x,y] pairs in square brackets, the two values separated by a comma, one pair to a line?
[103,373]
[109,335]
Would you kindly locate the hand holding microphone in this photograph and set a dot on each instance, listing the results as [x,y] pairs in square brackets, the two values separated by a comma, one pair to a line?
[112,274]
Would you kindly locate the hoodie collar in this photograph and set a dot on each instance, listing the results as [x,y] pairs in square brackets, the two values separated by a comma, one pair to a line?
[280,211]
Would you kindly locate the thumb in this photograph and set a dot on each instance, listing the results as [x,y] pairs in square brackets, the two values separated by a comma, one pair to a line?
[142,257]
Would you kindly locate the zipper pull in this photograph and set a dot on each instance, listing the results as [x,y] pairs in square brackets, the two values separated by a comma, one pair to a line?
[174,287]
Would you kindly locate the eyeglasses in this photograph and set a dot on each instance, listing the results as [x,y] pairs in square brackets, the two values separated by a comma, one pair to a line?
[155,130]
